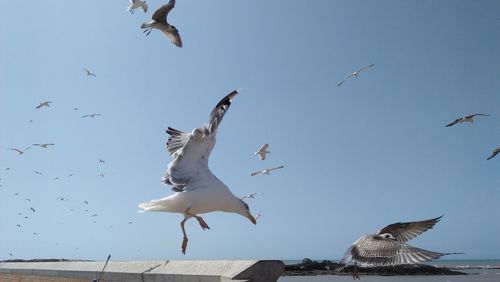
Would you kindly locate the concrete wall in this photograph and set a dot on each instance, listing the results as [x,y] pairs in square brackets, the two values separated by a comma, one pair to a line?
[149,271]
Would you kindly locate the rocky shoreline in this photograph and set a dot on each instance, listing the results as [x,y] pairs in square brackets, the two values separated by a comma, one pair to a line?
[310,268]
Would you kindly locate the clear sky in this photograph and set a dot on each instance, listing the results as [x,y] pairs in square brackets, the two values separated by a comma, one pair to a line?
[357,157]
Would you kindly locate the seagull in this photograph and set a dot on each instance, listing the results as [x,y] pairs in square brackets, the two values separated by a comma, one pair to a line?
[46,145]
[94,215]
[88,72]
[263,151]
[19,151]
[130,222]
[44,104]
[101,174]
[10,254]
[27,200]
[134,4]
[355,74]
[18,225]
[85,202]
[197,190]
[62,198]
[159,21]
[91,115]
[102,161]
[37,172]
[388,246]
[249,196]
[70,175]
[494,153]
[32,209]
[55,178]
[468,118]
[266,171]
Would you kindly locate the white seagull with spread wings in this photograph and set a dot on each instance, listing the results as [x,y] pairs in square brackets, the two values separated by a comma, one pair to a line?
[159,21]
[468,118]
[267,170]
[388,246]
[262,151]
[45,145]
[494,153]
[19,151]
[134,4]
[197,190]
[44,104]
[89,73]
[355,74]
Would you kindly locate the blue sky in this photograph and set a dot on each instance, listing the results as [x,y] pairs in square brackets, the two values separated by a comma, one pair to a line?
[369,153]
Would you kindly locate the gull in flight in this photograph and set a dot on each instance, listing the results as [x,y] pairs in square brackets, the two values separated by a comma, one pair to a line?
[159,21]
[494,153]
[197,190]
[88,72]
[468,118]
[37,172]
[355,74]
[94,215]
[249,196]
[46,145]
[266,171]
[86,202]
[32,209]
[263,151]
[19,151]
[388,246]
[134,4]
[91,115]
[44,104]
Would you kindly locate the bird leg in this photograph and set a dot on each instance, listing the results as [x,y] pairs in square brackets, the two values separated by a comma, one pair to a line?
[355,273]
[201,221]
[185,239]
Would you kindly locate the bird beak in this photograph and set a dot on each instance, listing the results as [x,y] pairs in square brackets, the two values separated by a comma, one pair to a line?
[252,219]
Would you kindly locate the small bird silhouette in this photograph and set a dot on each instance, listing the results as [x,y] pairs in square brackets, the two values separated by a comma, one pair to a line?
[88,72]
[44,104]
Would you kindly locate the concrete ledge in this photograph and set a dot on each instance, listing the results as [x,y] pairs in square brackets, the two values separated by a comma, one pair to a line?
[152,271]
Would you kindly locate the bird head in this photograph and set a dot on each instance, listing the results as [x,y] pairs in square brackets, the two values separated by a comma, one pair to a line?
[244,210]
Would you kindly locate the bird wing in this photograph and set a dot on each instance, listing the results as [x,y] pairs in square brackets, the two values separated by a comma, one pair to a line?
[174,36]
[370,251]
[219,111]
[454,122]
[364,68]
[192,150]
[264,147]
[15,149]
[345,79]
[255,173]
[471,116]
[494,153]
[144,7]
[275,168]
[160,15]
[405,231]
[262,155]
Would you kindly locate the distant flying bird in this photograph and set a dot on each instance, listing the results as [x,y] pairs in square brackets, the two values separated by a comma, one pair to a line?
[27,200]
[76,109]
[19,151]
[8,168]
[355,74]
[263,151]
[37,172]
[44,104]
[70,175]
[388,246]
[249,196]
[32,209]
[101,174]
[197,190]
[35,233]
[159,21]
[94,215]
[130,222]
[18,225]
[55,178]
[102,161]
[10,254]
[15,194]
[91,115]
[62,198]
[468,118]
[134,4]
[45,145]
[88,72]
[494,153]
[86,202]
[266,171]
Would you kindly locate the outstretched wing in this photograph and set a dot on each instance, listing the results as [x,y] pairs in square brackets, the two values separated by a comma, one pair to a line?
[160,15]
[345,79]
[370,251]
[405,231]
[192,150]
[471,116]
[454,122]
[494,153]
[219,111]
[364,68]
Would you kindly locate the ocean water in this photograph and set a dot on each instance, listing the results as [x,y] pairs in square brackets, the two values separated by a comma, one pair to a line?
[478,271]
